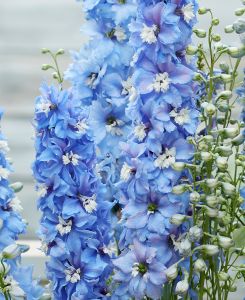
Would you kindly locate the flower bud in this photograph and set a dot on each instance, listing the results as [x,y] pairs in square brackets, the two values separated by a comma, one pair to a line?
[216,37]
[184,247]
[239,26]
[11,252]
[223,107]
[200,33]
[212,201]
[206,156]
[236,52]
[225,151]
[210,250]
[210,109]
[230,132]
[211,212]
[179,189]
[191,50]
[195,234]
[226,78]
[182,287]
[229,29]
[240,11]
[171,273]
[225,95]
[60,52]
[203,10]
[224,67]
[222,163]
[208,138]
[195,197]
[45,50]
[228,188]
[239,140]
[200,265]
[215,22]
[225,242]
[4,268]
[212,183]
[17,186]
[178,166]
[223,276]
[177,219]
[45,67]
[233,288]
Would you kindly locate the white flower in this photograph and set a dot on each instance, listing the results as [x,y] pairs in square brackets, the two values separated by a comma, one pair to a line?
[171,272]
[126,172]
[225,242]
[13,287]
[12,251]
[166,159]
[111,249]
[200,265]
[4,146]
[42,190]
[81,126]
[139,132]
[89,203]
[182,117]
[64,227]
[182,287]
[161,83]
[72,275]
[71,158]
[114,129]
[120,34]
[4,173]
[43,106]
[15,204]
[148,34]
[188,12]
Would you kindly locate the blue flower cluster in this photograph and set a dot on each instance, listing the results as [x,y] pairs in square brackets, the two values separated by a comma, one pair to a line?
[17,279]
[163,114]
[103,83]
[75,225]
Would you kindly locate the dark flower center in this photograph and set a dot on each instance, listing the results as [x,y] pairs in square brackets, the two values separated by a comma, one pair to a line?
[142,268]
[111,120]
[152,207]
[122,1]
[110,34]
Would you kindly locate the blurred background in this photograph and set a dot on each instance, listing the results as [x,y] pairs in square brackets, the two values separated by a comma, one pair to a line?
[26,26]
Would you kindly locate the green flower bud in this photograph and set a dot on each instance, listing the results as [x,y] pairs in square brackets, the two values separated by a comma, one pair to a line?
[209,138]
[236,52]
[45,50]
[224,67]
[200,265]
[60,52]
[171,273]
[191,50]
[45,67]
[211,212]
[225,151]
[225,95]
[233,288]
[223,107]
[216,37]
[210,109]
[212,201]
[182,287]
[223,276]
[179,189]
[55,75]
[178,166]
[239,140]
[206,156]
[17,186]
[203,10]
[225,242]
[200,33]
[238,162]
[240,11]
[226,78]
[228,188]
[215,22]
[195,197]
[222,163]
[11,252]
[177,219]
[230,132]
[195,233]
[229,29]
[210,250]
[212,183]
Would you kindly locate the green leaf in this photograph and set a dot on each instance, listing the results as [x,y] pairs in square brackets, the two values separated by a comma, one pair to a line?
[239,237]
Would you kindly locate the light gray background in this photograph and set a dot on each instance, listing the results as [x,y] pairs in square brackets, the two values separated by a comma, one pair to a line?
[25,27]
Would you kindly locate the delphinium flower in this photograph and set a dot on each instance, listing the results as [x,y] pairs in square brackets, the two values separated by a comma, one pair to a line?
[75,223]
[163,116]
[101,80]
[15,280]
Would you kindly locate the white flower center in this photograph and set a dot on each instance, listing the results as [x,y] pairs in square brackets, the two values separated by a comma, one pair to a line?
[91,79]
[15,204]
[81,126]
[120,34]
[148,34]
[64,227]
[126,172]
[42,190]
[188,12]
[114,129]
[4,146]
[4,173]
[166,159]
[139,132]
[73,275]
[44,106]
[135,269]
[161,83]
[89,203]
[182,117]
[71,158]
